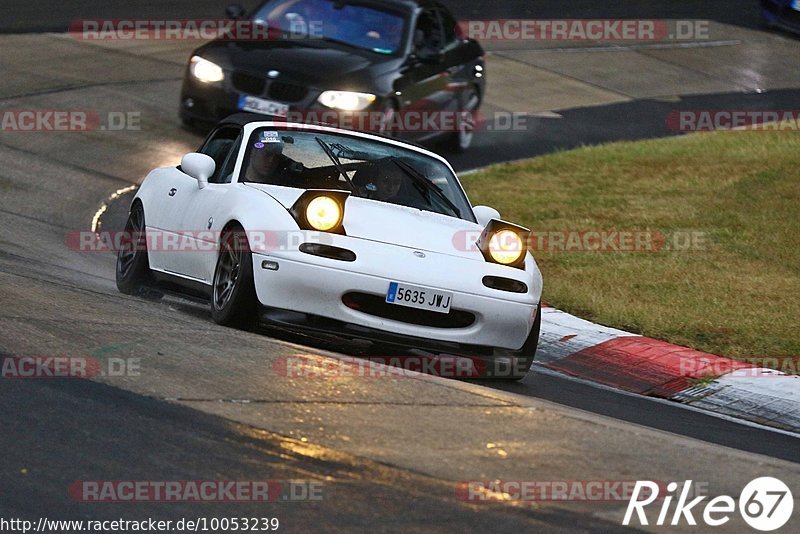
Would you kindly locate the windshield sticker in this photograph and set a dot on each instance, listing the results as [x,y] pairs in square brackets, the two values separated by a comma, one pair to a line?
[269,137]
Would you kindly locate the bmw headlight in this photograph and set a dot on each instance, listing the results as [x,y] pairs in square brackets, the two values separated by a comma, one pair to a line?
[205,71]
[346,100]
[323,213]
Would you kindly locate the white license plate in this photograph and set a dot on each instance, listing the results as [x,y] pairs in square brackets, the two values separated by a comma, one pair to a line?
[796,5]
[262,105]
[423,298]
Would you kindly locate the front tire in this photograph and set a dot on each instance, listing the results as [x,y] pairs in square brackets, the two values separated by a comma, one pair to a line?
[523,358]
[233,296]
[388,114]
[461,140]
[133,266]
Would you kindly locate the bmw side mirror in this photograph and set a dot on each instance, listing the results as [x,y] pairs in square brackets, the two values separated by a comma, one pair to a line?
[484,214]
[235,11]
[430,56]
[199,166]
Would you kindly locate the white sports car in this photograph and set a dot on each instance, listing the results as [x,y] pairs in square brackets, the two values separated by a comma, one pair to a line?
[314,228]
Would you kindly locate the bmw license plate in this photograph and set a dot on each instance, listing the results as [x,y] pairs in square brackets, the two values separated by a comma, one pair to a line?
[423,298]
[262,105]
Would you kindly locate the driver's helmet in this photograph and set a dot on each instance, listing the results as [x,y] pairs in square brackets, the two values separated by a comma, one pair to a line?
[265,156]
[380,181]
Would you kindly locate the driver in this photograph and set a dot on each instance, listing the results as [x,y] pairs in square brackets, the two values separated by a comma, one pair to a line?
[380,182]
[267,163]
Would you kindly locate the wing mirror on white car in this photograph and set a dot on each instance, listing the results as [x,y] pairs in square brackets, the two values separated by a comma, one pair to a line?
[199,166]
[484,214]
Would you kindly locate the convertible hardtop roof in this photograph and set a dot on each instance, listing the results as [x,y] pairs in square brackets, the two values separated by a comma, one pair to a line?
[245,118]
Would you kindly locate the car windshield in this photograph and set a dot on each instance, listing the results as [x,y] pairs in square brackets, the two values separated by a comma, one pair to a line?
[368,168]
[360,26]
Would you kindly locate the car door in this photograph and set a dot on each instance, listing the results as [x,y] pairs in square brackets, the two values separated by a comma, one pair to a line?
[424,81]
[455,61]
[198,209]
[159,190]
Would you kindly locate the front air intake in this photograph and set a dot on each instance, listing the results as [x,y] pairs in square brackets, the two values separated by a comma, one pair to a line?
[505,284]
[328,251]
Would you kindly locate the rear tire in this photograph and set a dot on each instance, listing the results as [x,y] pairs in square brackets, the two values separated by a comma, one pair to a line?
[133,267]
[233,294]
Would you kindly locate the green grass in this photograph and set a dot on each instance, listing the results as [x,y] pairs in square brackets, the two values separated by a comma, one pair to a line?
[737,295]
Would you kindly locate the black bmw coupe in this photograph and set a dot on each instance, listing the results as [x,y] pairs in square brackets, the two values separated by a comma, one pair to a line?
[396,67]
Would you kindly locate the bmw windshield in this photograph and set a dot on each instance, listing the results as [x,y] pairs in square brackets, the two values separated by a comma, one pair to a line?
[352,24]
[370,169]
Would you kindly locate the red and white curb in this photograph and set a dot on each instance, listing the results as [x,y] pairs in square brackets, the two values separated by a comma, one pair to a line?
[638,364]
[646,366]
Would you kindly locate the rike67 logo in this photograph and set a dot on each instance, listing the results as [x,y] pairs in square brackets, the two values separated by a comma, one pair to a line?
[765,504]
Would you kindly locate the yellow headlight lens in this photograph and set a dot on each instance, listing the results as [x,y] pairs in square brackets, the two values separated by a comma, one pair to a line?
[506,247]
[323,213]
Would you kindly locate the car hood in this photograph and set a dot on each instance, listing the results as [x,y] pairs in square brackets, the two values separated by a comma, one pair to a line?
[397,225]
[309,63]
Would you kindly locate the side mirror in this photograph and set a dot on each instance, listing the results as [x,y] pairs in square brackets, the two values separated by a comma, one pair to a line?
[430,56]
[235,11]
[199,166]
[484,214]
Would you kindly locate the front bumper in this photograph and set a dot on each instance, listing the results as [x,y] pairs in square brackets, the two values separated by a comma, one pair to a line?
[210,103]
[314,288]
[309,323]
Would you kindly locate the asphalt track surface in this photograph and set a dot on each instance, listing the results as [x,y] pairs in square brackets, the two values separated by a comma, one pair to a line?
[208,404]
